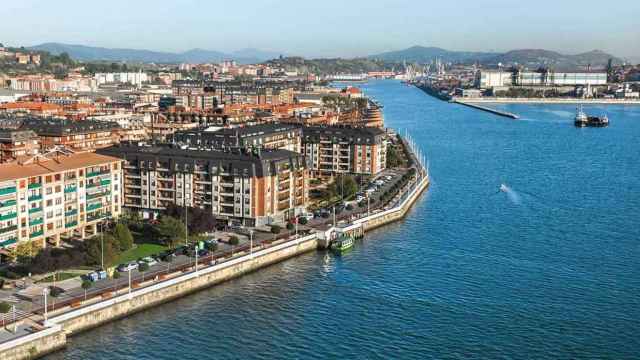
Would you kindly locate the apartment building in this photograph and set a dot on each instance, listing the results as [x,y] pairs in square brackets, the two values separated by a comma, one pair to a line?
[84,135]
[16,143]
[331,150]
[58,194]
[265,136]
[238,188]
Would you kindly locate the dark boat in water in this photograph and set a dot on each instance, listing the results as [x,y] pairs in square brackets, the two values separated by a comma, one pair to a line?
[583,120]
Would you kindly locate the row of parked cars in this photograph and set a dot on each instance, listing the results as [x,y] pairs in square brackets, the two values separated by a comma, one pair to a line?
[204,249]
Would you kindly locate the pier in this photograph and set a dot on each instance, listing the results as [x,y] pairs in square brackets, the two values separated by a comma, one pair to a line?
[487,109]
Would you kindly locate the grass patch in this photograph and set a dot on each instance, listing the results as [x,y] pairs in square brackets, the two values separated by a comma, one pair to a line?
[139,251]
[58,277]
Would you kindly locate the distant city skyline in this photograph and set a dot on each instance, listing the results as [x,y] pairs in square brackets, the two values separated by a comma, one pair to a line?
[329,28]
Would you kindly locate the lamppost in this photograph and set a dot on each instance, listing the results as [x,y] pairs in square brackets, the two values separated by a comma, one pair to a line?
[251,242]
[196,248]
[45,292]
[368,205]
[101,246]
[129,284]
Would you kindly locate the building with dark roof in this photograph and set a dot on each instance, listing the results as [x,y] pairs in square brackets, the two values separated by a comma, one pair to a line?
[267,136]
[237,187]
[83,135]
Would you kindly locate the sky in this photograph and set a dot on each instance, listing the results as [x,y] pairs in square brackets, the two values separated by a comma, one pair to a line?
[327,28]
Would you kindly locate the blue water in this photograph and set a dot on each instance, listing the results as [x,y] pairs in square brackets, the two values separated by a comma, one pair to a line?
[549,271]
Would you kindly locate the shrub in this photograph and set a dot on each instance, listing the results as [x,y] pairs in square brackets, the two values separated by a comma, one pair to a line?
[143,266]
[290,226]
[233,240]
[116,275]
[55,291]
[212,246]
[275,229]
[4,307]
[302,221]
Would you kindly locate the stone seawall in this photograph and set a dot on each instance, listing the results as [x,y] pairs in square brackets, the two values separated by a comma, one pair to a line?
[124,305]
[34,345]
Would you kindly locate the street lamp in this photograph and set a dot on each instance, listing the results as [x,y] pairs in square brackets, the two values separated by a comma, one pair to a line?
[129,284]
[101,246]
[251,242]
[45,292]
[196,248]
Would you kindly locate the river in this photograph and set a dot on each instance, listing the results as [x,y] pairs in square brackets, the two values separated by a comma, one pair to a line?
[548,270]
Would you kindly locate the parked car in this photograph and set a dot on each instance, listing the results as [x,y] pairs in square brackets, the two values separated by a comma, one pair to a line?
[128,266]
[167,256]
[181,250]
[309,216]
[149,260]
[203,252]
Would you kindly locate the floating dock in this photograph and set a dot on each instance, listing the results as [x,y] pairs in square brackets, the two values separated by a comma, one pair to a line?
[487,109]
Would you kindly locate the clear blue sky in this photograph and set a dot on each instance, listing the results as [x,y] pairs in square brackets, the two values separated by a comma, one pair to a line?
[327,27]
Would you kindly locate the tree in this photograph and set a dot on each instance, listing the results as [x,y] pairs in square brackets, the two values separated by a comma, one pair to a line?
[55,291]
[123,237]
[211,246]
[93,249]
[276,229]
[302,220]
[86,285]
[199,220]
[234,240]
[171,231]
[290,226]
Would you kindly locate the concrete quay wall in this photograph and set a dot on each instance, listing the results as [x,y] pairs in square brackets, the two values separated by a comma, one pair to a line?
[34,345]
[124,305]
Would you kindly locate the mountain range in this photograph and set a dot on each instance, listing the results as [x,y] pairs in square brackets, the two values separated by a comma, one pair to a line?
[526,57]
[91,53]
[418,54]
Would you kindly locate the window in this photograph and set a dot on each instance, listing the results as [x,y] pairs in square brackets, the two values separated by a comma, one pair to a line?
[59,201]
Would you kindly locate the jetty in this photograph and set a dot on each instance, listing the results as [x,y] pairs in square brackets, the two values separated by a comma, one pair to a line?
[487,109]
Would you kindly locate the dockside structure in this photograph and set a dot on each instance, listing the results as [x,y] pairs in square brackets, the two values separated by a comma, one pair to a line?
[237,187]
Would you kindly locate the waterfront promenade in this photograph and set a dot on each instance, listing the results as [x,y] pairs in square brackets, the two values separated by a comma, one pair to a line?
[54,322]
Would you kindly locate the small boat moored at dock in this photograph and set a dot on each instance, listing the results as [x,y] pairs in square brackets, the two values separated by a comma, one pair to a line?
[583,120]
[342,243]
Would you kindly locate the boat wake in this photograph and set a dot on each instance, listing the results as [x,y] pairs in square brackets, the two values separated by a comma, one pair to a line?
[513,196]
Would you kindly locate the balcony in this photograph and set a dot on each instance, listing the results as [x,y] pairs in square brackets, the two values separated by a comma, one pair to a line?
[7,203]
[36,234]
[34,186]
[8,242]
[70,189]
[98,173]
[98,216]
[98,195]
[35,210]
[35,198]
[8,229]
[8,190]
[38,221]
[95,206]
[71,224]
[8,216]
[71,212]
